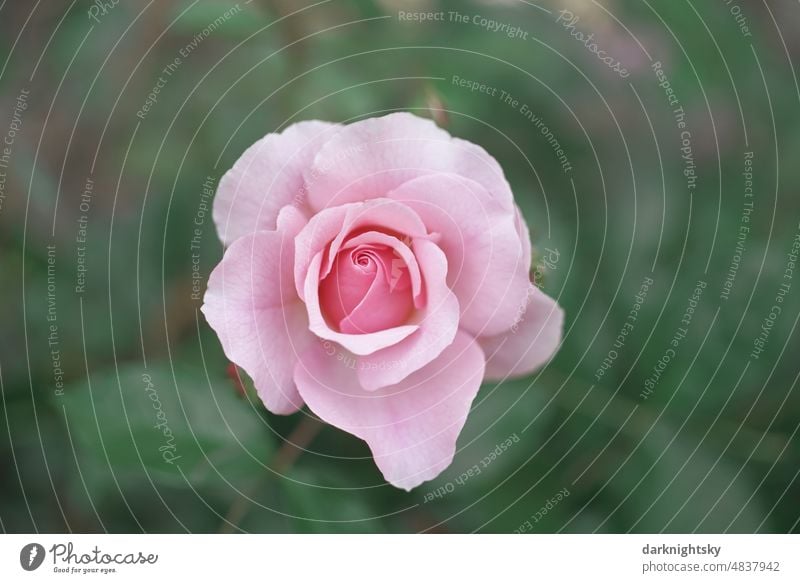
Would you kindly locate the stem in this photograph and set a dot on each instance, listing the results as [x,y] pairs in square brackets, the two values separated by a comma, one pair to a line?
[300,438]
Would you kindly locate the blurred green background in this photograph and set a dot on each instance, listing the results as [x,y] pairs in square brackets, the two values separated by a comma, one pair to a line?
[706,442]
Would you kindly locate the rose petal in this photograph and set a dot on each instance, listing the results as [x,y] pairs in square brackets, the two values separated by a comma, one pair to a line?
[291,219]
[332,226]
[524,236]
[437,321]
[267,177]
[411,427]
[361,294]
[251,304]
[356,343]
[400,248]
[345,287]
[530,343]
[487,268]
[370,158]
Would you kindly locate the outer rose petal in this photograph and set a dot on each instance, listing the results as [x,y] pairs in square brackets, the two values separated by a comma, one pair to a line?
[411,427]
[251,304]
[267,177]
[530,343]
[370,158]
[524,237]
[487,267]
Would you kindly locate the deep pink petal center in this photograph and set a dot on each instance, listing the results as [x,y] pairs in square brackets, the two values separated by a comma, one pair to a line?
[367,290]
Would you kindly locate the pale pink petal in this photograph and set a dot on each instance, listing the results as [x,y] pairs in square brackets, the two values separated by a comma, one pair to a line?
[530,343]
[524,237]
[487,269]
[267,177]
[411,427]
[251,304]
[370,158]
[437,321]
[291,219]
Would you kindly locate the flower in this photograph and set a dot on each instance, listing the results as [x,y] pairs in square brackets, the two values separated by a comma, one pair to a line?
[374,272]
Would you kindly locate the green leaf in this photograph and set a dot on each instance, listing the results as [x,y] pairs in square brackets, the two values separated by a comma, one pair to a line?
[689,488]
[218,19]
[149,423]
[335,507]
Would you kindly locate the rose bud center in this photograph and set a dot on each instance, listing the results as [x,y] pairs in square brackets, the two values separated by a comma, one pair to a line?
[367,290]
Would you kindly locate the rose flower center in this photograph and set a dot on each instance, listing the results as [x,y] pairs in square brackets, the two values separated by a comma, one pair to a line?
[367,290]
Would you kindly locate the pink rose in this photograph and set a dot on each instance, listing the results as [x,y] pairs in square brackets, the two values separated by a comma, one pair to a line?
[377,272]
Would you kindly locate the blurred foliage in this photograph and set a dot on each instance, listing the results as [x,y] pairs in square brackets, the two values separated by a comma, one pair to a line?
[713,449]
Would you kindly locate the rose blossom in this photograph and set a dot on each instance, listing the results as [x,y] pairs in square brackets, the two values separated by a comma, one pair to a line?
[374,272]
